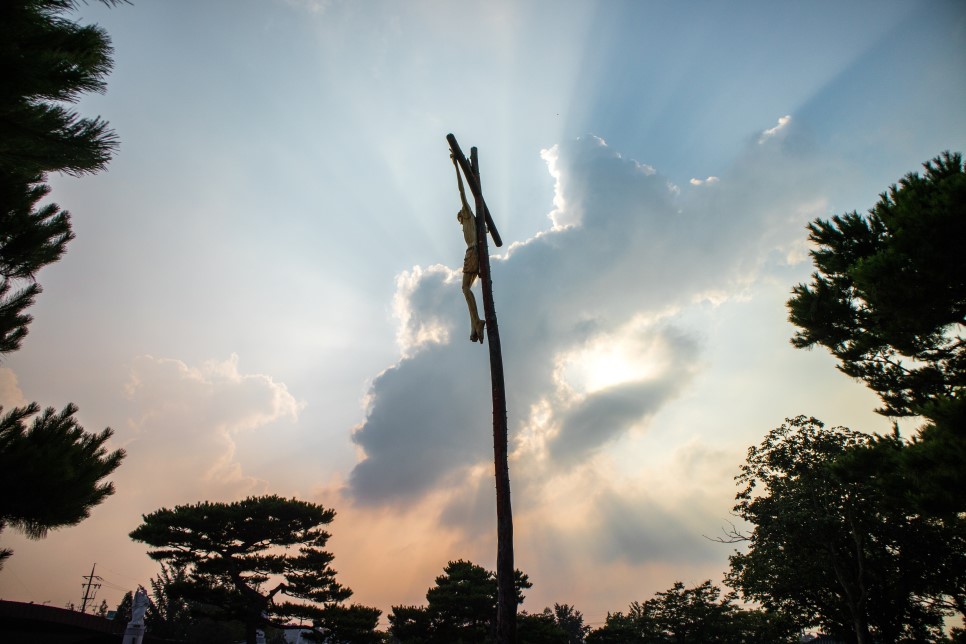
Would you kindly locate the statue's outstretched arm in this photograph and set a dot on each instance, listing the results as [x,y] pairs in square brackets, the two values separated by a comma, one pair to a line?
[459,182]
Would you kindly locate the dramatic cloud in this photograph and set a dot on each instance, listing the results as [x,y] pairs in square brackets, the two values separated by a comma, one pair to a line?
[578,304]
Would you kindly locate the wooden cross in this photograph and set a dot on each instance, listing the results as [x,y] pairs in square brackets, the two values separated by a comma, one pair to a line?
[506,593]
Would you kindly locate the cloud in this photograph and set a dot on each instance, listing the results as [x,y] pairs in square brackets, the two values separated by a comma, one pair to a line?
[586,309]
[420,425]
[186,424]
[638,528]
[702,182]
[417,303]
[605,415]
[770,132]
[625,377]
[10,394]
[185,438]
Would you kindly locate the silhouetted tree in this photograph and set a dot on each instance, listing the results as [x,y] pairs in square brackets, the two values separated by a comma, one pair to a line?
[411,624]
[619,628]
[540,628]
[571,621]
[352,624]
[230,551]
[889,295]
[828,549]
[46,63]
[122,614]
[50,472]
[169,615]
[462,607]
[699,614]
[888,299]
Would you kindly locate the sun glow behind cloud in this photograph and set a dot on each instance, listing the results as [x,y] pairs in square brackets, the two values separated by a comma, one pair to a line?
[626,355]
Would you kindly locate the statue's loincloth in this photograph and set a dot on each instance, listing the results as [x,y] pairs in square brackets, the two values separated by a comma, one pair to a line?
[471,262]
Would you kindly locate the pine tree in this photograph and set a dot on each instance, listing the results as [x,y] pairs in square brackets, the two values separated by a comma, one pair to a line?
[461,607]
[231,551]
[46,63]
[888,300]
[52,472]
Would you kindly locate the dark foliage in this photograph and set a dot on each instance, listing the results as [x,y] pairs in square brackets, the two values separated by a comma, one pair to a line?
[51,473]
[230,551]
[462,607]
[696,614]
[352,624]
[46,63]
[888,298]
[829,549]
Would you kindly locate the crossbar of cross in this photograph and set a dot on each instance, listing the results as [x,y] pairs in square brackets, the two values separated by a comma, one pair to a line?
[474,187]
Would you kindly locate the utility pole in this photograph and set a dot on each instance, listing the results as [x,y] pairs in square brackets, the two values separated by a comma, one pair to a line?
[506,612]
[90,588]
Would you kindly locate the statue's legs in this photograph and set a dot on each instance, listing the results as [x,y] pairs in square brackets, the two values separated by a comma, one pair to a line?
[476,324]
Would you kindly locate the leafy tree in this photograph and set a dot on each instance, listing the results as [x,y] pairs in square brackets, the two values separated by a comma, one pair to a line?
[562,625]
[462,607]
[690,614]
[51,473]
[696,614]
[618,628]
[232,550]
[828,549]
[540,628]
[46,63]
[571,621]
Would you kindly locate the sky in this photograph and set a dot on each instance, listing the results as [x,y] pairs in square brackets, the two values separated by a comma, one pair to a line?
[264,292]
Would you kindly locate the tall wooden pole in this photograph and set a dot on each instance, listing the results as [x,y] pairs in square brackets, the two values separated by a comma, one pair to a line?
[506,611]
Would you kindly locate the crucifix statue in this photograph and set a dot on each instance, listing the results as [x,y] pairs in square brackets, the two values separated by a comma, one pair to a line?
[471,260]
[477,263]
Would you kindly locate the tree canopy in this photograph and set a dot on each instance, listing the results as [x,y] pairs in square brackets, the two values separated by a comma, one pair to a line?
[462,607]
[697,614]
[828,549]
[46,62]
[236,556]
[355,624]
[888,298]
